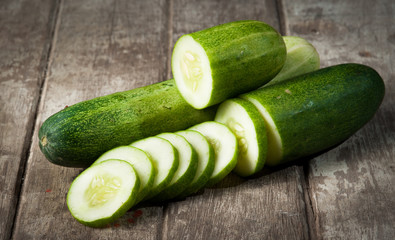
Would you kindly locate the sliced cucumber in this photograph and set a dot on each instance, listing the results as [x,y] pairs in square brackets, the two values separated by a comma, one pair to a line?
[224,61]
[242,117]
[302,58]
[186,168]
[103,192]
[205,156]
[140,162]
[164,158]
[224,142]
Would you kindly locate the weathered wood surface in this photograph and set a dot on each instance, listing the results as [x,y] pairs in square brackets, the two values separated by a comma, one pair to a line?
[100,47]
[352,186]
[24,45]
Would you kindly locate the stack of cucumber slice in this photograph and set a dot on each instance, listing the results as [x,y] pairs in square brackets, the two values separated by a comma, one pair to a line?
[290,118]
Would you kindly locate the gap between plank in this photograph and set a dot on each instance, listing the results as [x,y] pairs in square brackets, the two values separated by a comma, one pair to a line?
[169,26]
[281,17]
[53,22]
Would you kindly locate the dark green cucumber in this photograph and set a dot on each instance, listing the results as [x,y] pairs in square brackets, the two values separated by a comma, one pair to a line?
[224,61]
[317,110]
[79,134]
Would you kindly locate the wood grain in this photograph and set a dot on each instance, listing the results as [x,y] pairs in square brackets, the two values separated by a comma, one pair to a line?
[25,30]
[100,47]
[237,208]
[352,186]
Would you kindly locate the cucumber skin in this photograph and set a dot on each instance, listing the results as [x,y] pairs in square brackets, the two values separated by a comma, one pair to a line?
[79,134]
[243,55]
[322,108]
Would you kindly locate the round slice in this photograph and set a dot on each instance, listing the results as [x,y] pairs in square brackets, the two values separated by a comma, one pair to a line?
[103,192]
[187,164]
[224,142]
[140,162]
[245,121]
[205,156]
[164,158]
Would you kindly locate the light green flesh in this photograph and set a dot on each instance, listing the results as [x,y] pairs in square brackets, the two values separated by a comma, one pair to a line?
[103,192]
[302,58]
[238,120]
[225,147]
[164,158]
[140,162]
[192,72]
[205,156]
[186,167]
[275,149]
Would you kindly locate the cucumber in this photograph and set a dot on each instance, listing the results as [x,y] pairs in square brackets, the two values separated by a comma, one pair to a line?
[217,63]
[103,192]
[79,134]
[164,158]
[140,161]
[315,111]
[302,58]
[205,156]
[225,145]
[247,124]
[186,168]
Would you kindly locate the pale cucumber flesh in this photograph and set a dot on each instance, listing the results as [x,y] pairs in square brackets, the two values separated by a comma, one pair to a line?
[205,157]
[186,167]
[103,192]
[140,162]
[164,158]
[192,72]
[225,147]
[248,125]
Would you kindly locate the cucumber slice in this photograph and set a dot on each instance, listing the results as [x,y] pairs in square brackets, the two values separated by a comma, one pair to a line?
[186,168]
[103,192]
[242,117]
[205,156]
[302,58]
[224,61]
[225,145]
[140,162]
[164,158]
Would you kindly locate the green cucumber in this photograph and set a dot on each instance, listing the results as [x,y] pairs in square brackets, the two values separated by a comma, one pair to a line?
[247,124]
[140,161]
[206,157]
[164,158]
[302,58]
[225,145]
[315,111]
[224,61]
[103,192]
[186,168]
[79,134]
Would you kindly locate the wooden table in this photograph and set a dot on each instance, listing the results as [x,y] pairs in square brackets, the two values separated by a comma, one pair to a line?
[56,53]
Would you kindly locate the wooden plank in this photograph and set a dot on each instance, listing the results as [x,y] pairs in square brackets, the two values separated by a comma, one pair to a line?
[351,186]
[268,207]
[100,47]
[25,31]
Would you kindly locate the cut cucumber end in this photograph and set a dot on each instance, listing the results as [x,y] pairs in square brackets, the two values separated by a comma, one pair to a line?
[186,168]
[302,58]
[205,161]
[275,148]
[103,192]
[247,124]
[192,72]
[225,145]
[140,162]
[164,158]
